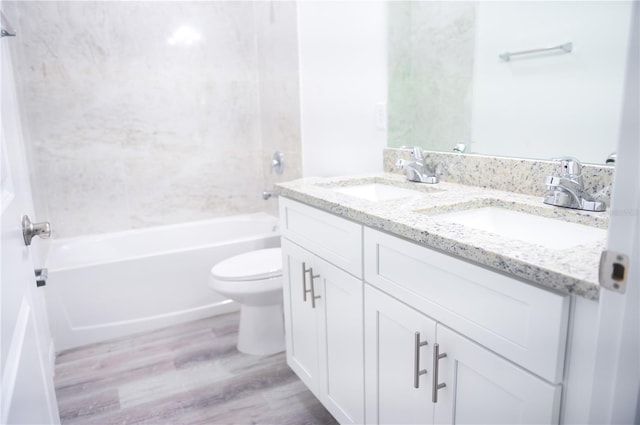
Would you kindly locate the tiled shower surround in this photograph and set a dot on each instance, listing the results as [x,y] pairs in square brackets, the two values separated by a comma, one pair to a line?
[130,125]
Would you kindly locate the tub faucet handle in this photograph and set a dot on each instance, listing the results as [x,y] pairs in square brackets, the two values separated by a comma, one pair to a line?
[277,163]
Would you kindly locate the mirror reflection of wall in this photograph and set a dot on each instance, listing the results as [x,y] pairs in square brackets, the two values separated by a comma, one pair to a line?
[430,54]
[447,84]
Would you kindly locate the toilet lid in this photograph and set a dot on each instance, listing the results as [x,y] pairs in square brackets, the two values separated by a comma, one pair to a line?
[254,265]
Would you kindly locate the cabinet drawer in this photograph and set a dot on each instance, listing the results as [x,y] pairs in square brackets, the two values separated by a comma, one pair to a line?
[332,238]
[521,322]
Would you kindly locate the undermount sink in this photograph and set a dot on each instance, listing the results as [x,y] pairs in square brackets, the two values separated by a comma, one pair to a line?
[548,232]
[376,191]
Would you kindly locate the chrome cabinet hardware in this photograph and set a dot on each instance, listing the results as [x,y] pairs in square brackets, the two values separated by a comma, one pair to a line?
[305,270]
[314,297]
[311,290]
[416,363]
[30,230]
[436,385]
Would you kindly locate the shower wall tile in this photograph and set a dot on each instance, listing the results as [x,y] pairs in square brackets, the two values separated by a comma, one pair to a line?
[277,39]
[279,92]
[280,116]
[187,187]
[293,167]
[70,183]
[156,133]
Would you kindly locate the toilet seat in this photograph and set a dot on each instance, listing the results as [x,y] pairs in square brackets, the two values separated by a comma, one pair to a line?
[254,265]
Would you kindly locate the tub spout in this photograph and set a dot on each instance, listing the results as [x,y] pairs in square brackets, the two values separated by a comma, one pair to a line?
[268,194]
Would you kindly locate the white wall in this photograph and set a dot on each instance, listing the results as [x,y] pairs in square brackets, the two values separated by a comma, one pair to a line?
[554,104]
[343,68]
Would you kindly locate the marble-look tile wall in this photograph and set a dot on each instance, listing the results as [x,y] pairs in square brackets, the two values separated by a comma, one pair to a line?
[279,92]
[148,113]
[430,51]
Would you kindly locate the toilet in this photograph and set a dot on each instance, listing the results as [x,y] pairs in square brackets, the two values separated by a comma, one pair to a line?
[254,280]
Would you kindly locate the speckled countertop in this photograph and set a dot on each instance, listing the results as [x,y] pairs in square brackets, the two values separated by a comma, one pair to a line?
[417,218]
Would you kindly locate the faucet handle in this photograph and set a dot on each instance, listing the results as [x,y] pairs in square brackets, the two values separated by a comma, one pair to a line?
[416,151]
[571,167]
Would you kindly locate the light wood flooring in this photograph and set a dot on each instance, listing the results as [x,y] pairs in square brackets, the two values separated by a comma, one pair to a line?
[185,374]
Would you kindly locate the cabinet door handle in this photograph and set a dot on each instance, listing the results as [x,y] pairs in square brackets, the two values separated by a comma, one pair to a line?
[305,291]
[416,361]
[314,297]
[436,386]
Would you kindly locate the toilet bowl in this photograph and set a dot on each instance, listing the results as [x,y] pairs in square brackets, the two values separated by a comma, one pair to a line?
[254,280]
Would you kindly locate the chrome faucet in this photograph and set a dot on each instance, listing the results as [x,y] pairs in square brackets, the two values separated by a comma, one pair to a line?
[568,189]
[416,168]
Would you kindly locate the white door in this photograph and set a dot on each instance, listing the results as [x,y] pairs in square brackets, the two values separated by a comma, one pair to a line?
[484,388]
[27,385]
[394,358]
[616,393]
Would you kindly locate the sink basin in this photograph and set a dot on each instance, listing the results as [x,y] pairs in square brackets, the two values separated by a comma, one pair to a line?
[376,191]
[548,232]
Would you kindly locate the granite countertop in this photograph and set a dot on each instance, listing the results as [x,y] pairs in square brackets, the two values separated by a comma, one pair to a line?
[572,270]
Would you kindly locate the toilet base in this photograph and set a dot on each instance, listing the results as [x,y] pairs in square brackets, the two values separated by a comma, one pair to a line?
[261,329]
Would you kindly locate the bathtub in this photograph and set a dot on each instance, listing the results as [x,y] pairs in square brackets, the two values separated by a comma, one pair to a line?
[107,286]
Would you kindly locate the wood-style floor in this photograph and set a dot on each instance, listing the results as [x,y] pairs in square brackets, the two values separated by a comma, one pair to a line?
[185,374]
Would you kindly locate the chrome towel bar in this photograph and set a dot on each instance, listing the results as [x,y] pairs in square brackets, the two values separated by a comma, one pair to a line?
[566,47]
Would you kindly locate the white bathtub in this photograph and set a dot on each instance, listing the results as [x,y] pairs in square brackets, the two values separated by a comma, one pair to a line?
[106,286]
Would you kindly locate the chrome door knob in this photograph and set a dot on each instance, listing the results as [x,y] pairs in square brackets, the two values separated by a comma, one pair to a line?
[29,229]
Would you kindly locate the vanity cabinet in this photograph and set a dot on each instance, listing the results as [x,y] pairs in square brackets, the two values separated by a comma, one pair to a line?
[371,318]
[519,321]
[495,345]
[467,384]
[323,307]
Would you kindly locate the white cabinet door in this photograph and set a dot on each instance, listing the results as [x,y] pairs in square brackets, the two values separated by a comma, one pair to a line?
[342,348]
[324,335]
[301,331]
[484,388]
[392,330]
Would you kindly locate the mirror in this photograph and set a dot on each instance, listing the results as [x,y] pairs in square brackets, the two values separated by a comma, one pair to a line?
[448,86]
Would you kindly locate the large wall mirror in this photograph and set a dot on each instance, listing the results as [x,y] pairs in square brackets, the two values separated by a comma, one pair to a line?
[449,86]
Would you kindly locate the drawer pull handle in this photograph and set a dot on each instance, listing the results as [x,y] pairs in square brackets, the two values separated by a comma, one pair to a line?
[314,297]
[416,361]
[304,281]
[436,386]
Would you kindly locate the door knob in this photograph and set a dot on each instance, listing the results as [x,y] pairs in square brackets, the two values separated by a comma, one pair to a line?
[29,229]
